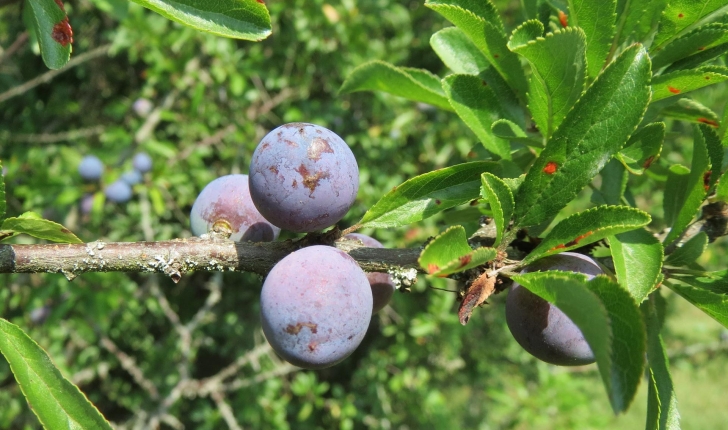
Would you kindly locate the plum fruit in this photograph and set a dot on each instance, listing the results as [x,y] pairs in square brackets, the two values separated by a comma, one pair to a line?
[118,192]
[541,328]
[90,168]
[381,283]
[316,305]
[142,162]
[303,177]
[227,200]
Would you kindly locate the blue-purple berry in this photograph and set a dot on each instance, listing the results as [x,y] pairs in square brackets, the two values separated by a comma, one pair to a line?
[303,177]
[91,168]
[316,305]
[381,283]
[132,177]
[541,328]
[118,192]
[142,162]
[226,201]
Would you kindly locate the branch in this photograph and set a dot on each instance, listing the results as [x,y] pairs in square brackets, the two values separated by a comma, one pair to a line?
[179,256]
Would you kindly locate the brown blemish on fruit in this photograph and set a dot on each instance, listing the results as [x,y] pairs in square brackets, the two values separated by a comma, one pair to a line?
[312,346]
[291,143]
[710,122]
[317,147]
[62,32]
[311,181]
[550,168]
[294,184]
[648,162]
[295,329]
[673,90]
[273,169]
[563,18]
[265,146]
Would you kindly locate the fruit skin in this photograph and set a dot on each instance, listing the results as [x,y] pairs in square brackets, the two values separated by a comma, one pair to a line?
[316,305]
[381,283]
[118,192]
[132,177]
[541,328]
[91,168]
[303,177]
[142,162]
[227,198]
[142,107]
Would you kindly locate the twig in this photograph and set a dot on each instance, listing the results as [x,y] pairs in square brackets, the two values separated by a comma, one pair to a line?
[225,411]
[49,75]
[44,138]
[129,364]
[283,369]
[14,47]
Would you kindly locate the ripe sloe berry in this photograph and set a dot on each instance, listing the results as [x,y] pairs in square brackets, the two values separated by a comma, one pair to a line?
[303,177]
[227,200]
[118,192]
[541,328]
[132,177]
[90,168]
[142,162]
[316,304]
[381,283]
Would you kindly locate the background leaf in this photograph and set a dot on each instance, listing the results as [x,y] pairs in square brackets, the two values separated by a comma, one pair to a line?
[689,110]
[609,320]
[412,84]
[428,194]
[477,105]
[679,15]
[683,81]
[597,19]
[2,192]
[57,402]
[637,257]
[638,18]
[54,32]
[458,52]
[588,227]
[695,42]
[558,66]
[240,19]
[30,224]
[712,303]
[593,131]
[689,251]
[643,148]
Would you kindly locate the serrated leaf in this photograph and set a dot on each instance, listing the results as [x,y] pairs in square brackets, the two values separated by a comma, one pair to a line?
[597,19]
[458,52]
[695,189]
[588,227]
[500,198]
[54,32]
[425,195]
[558,66]
[510,105]
[56,402]
[683,81]
[592,132]
[689,251]
[680,15]
[479,20]
[2,193]
[239,19]
[637,257]
[477,105]
[643,148]
[716,282]
[450,253]
[639,19]
[697,60]
[721,191]
[662,411]
[712,303]
[412,84]
[614,183]
[715,154]
[30,223]
[689,110]
[702,38]
[506,129]
[677,183]
[608,318]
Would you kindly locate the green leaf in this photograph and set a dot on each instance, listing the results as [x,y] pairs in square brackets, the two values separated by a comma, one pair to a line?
[2,192]
[506,129]
[458,52]
[608,318]
[689,251]
[30,223]
[694,189]
[500,198]
[477,105]
[479,20]
[56,402]
[592,132]
[412,84]
[695,42]
[680,15]
[597,19]
[716,282]
[689,110]
[677,183]
[614,183]
[639,19]
[712,303]
[450,253]
[683,81]
[637,257]
[558,66]
[696,60]
[643,148]
[239,19]
[715,154]
[588,227]
[54,32]
[721,191]
[662,411]
[425,195]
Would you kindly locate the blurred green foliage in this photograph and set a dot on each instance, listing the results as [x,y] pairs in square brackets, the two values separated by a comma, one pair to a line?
[417,367]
